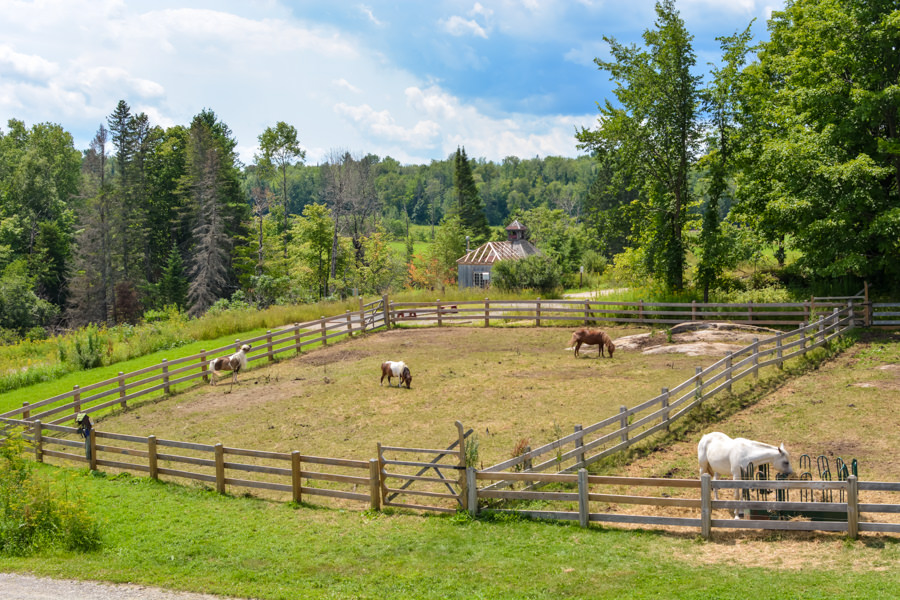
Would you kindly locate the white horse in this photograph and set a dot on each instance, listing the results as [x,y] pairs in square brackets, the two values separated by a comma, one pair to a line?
[719,454]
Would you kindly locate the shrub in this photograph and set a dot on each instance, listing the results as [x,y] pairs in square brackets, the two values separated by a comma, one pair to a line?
[84,350]
[539,273]
[34,516]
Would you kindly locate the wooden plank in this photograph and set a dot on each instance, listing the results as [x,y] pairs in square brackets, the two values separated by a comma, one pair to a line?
[645,500]
[420,507]
[781,525]
[410,463]
[529,495]
[644,520]
[189,460]
[348,479]
[335,462]
[312,491]
[123,465]
[264,485]
[408,492]
[123,451]
[187,475]
[258,469]
[106,435]
[879,486]
[425,450]
[418,478]
[65,455]
[258,454]
[880,527]
[186,445]
[63,442]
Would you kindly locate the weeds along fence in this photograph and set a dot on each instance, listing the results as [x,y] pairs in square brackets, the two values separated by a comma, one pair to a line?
[590,444]
[589,312]
[676,503]
[162,378]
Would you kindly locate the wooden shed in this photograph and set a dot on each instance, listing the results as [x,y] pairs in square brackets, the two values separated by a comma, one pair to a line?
[474,269]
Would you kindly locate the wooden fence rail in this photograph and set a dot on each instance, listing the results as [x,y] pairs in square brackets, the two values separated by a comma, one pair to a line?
[583,492]
[292,473]
[646,313]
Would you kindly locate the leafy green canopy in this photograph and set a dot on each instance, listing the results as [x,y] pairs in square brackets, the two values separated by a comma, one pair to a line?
[822,110]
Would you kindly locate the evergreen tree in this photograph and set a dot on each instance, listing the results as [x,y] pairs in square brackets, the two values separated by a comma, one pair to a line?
[469,202]
[173,285]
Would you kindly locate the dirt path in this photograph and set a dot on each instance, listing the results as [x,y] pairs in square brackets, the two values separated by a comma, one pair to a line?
[28,587]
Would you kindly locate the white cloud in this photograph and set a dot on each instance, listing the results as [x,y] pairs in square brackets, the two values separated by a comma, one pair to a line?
[346,85]
[382,125]
[367,11]
[26,65]
[460,26]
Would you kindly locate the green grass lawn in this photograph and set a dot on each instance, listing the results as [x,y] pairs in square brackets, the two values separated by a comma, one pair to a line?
[190,539]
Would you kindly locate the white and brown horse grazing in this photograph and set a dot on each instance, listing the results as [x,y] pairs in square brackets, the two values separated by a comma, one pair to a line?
[395,369]
[233,363]
[719,454]
[592,337]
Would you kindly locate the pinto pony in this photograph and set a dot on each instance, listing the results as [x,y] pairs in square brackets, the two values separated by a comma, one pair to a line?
[395,369]
[592,337]
[233,363]
[719,454]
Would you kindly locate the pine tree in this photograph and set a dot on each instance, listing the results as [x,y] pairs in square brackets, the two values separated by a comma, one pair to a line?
[173,285]
[469,202]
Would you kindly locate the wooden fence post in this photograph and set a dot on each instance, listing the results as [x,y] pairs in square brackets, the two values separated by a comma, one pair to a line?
[349,324]
[92,449]
[805,311]
[437,304]
[852,507]
[297,345]
[220,468]
[698,383]
[165,373]
[693,310]
[778,352]
[387,311]
[374,486]
[705,507]
[537,313]
[122,391]
[270,354]
[324,331]
[867,306]
[728,359]
[750,311]
[38,441]
[382,473]
[487,312]
[641,310]
[362,315]
[584,509]
[527,464]
[579,443]
[296,477]
[203,366]
[151,457]
[472,487]
[587,310]
[25,411]
[463,494]
[76,400]
[755,358]
[623,422]
[665,408]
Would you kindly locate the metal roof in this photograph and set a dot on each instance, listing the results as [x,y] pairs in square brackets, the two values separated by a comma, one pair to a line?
[515,226]
[491,252]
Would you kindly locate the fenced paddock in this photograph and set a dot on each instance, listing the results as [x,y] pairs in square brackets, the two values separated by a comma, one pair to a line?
[400,473]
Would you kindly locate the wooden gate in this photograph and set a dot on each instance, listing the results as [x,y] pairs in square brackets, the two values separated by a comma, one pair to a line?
[440,482]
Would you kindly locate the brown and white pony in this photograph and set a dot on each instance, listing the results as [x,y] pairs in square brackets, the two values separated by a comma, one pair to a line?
[233,363]
[395,369]
[592,337]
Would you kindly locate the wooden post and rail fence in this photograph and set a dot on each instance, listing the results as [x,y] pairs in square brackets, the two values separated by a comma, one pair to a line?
[446,472]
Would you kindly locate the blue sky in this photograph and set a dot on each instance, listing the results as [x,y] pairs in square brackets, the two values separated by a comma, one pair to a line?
[407,79]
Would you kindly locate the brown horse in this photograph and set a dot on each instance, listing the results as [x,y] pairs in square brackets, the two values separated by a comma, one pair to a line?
[592,337]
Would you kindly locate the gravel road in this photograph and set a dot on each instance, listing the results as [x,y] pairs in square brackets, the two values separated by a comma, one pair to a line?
[27,587]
